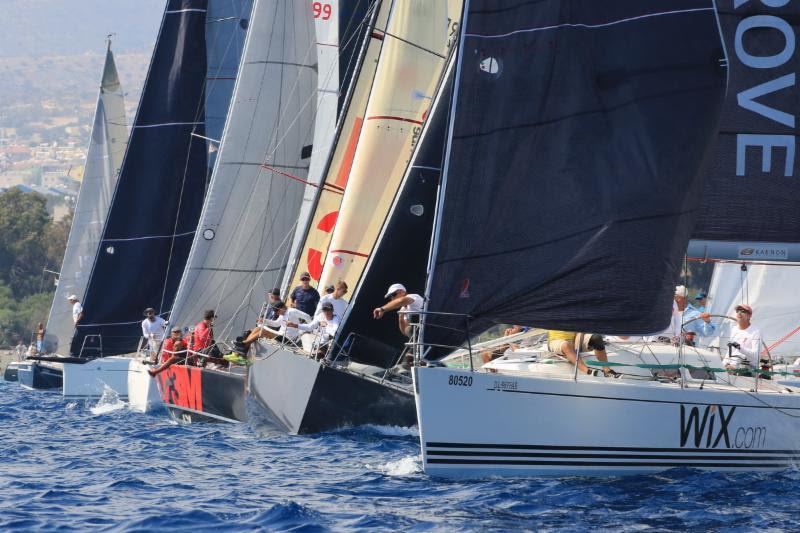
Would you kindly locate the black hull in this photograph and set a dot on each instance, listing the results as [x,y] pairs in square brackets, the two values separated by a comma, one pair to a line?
[193,394]
[10,373]
[40,377]
[304,396]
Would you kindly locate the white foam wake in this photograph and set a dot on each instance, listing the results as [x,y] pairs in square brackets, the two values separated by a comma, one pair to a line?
[405,466]
[393,431]
[108,402]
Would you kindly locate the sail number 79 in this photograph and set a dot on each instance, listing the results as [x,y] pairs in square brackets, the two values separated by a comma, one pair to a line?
[460,381]
[322,10]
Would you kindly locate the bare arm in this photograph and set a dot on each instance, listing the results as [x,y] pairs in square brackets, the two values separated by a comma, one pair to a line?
[395,304]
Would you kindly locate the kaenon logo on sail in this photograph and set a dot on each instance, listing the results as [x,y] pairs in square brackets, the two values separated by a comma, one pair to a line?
[764,98]
[710,427]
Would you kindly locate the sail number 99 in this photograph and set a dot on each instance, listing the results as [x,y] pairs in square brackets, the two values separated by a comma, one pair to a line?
[460,381]
[321,10]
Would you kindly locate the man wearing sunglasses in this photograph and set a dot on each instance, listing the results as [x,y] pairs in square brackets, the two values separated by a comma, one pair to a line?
[400,300]
[745,341]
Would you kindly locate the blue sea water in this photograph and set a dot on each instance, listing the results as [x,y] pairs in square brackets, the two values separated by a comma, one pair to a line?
[98,466]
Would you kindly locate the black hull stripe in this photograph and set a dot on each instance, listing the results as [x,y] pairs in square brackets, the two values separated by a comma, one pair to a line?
[629,464]
[451,445]
[613,456]
[640,400]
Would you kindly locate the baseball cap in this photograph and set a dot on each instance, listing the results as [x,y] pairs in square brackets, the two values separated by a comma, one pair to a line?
[72,297]
[279,305]
[305,275]
[149,310]
[330,288]
[746,308]
[176,329]
[700,296]
[393,288]
[327,306]
[680,290]
[276,292]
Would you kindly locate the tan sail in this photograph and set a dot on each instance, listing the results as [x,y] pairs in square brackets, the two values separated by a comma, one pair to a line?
[327,208]
[411,63]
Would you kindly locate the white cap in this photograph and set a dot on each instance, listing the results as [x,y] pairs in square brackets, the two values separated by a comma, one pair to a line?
[72,297]
[394,287]
[680,290]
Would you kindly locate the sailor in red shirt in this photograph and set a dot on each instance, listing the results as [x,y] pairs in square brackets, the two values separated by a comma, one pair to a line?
[204,332]
[173,351]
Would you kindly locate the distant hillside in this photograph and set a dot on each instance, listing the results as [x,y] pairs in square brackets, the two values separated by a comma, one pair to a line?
[35,28]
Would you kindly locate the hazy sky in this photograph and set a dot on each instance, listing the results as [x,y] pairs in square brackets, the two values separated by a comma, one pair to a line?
[31,28]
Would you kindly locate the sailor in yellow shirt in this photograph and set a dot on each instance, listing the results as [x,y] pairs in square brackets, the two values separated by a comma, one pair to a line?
[568,343]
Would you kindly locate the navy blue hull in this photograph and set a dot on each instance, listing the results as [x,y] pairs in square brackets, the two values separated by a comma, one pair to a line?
[11,372]
[40,377]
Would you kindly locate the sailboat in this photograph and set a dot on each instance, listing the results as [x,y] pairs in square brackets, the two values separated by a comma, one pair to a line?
[515,418]
[241,246]
[300,393]
[159,194]
[108,139]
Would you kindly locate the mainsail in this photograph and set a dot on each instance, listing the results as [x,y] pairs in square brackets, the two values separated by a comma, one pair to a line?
[159,195]
[749,209]
[771,290]
[572,175]
[107,144]
[406,234]
[410,65]
[252,205]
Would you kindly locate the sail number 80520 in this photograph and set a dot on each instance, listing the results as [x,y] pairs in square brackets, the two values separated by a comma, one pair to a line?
[460,381]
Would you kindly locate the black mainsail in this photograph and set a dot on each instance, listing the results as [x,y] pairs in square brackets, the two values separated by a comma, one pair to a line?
[548,126]
[749,209]
[159,194]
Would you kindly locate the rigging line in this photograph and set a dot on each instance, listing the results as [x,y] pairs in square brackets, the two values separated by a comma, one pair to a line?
[324,186]
[415,45]
[591,26]
[289,233]
[783,339]
[172,236]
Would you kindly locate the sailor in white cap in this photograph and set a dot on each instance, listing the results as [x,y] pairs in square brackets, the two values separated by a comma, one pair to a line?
[400,299]
[77,308]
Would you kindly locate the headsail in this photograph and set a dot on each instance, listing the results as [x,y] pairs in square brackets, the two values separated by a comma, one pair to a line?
[103,160]
[401,254]
[159,195]
[749,209]
[555,166]
[252,204]
[320,223]
[409,68]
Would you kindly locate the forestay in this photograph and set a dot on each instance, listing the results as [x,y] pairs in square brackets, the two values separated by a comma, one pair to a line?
[107,144]
[572,174]
[243,239]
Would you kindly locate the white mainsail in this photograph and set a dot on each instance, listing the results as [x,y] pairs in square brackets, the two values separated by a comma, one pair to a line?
[109,139]
[768,289]
[242,241]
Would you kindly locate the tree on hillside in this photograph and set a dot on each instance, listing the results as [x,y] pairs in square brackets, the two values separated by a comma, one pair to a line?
[23,225]
[56,239]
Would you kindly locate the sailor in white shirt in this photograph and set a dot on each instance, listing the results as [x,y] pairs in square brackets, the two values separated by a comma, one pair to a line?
[287,323]
[153,328]
[400,300]
[745,341]
[77,308]
[326,322]
[336,299]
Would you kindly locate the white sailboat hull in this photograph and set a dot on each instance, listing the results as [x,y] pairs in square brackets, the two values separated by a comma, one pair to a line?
[143,393]
[480,424]
[88,381]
